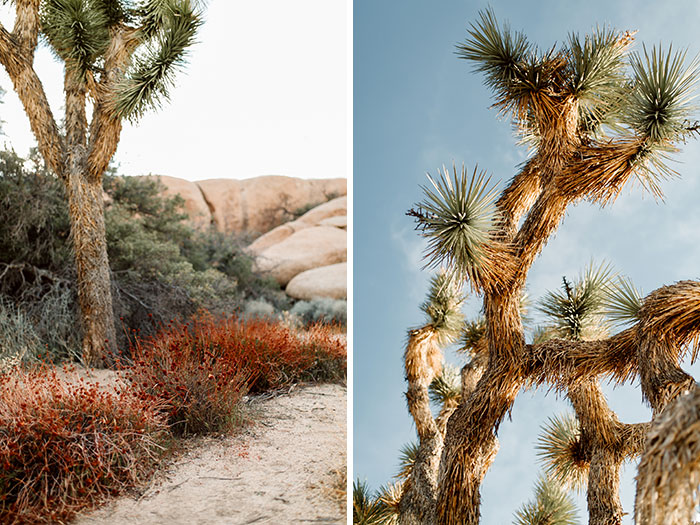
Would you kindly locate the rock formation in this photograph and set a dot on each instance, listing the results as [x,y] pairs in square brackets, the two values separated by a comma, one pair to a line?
[306,255]
[251,206]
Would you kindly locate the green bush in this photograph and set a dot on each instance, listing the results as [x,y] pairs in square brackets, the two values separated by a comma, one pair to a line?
[323,309]
[162,268]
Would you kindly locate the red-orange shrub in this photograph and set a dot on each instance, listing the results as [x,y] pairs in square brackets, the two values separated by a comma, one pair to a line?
[197,387]
[202,368]
[66,445]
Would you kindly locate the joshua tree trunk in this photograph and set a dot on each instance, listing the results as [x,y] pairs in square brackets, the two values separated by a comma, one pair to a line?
[96,43]
[94,288]
[86,207]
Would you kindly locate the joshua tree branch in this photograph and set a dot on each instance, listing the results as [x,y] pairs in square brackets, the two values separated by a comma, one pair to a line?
[26,29]
[31,93]
[106,126]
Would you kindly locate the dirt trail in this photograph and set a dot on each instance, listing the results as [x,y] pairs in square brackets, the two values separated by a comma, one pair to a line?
[280,470]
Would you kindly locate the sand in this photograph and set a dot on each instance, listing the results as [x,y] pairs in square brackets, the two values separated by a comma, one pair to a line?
[280,469]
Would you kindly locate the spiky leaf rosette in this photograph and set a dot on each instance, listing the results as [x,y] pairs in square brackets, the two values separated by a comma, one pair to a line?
[446,388]
[623,302]
[76,32]
[407,458]
[457,216]
[390,496]
[168,35]
[497,52]
[559,448]
[552,506]
[443,307]
[597,76]
[367,509]
[659,109]
[471,341]
[576,310]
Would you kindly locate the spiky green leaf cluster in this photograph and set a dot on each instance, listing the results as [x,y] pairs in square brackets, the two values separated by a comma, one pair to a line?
[368,508]
[559,448]
[389,496]
[456,217]
[79,33]
[446,387]
[152,73]
[76,31]
[472,333]
[443,307]
[597,77]
[407,458]
[497,51]
[552,505]
[661,101]
[623,301]
[576,310]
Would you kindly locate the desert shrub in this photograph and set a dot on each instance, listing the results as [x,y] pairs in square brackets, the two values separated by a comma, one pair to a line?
[34,223]
[159,264]
[321,310]
[201,369]
[258,308]
[227,254]
[18,340]
[66,445]
[198,388]
[328,352]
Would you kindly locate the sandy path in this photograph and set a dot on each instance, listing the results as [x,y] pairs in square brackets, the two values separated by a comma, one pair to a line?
[280,470]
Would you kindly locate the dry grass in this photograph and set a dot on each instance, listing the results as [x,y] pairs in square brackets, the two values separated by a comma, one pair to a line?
[66,444]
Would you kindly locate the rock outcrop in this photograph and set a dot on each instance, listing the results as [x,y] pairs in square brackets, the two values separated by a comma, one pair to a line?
[195,205]
[307,255]
[303,250]
[326,281]
[251,206]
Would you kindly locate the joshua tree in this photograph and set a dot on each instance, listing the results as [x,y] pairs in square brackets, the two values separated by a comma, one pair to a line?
[119,59]
[596,116]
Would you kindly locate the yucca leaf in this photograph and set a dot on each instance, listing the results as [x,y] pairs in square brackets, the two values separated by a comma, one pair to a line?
[146,84]
[443,307]
[456,217]
[497,51]
[472,334]
[75,31]
[552,505]
[446,387]
[367,509]
[576,310]
[597,76]
[664,90]
[407,458]
[559,448]
[389,496]
[623,301]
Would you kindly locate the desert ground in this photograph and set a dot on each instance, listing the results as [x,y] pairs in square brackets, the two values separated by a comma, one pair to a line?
[286,466]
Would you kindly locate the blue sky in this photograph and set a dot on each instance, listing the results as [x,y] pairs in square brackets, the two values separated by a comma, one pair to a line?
[417,107]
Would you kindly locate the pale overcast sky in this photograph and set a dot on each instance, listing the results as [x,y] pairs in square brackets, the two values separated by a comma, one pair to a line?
[265,93]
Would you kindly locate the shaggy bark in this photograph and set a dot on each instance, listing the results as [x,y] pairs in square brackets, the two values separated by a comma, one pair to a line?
[79,159]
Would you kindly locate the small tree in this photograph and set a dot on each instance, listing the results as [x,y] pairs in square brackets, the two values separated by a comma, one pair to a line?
[119,57]
[593,125]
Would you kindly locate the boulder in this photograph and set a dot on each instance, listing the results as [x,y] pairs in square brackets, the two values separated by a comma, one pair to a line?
[255,206]
[341,221]
[195,205]
[335,211]
[303,250]
[333,208]
[325,281]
